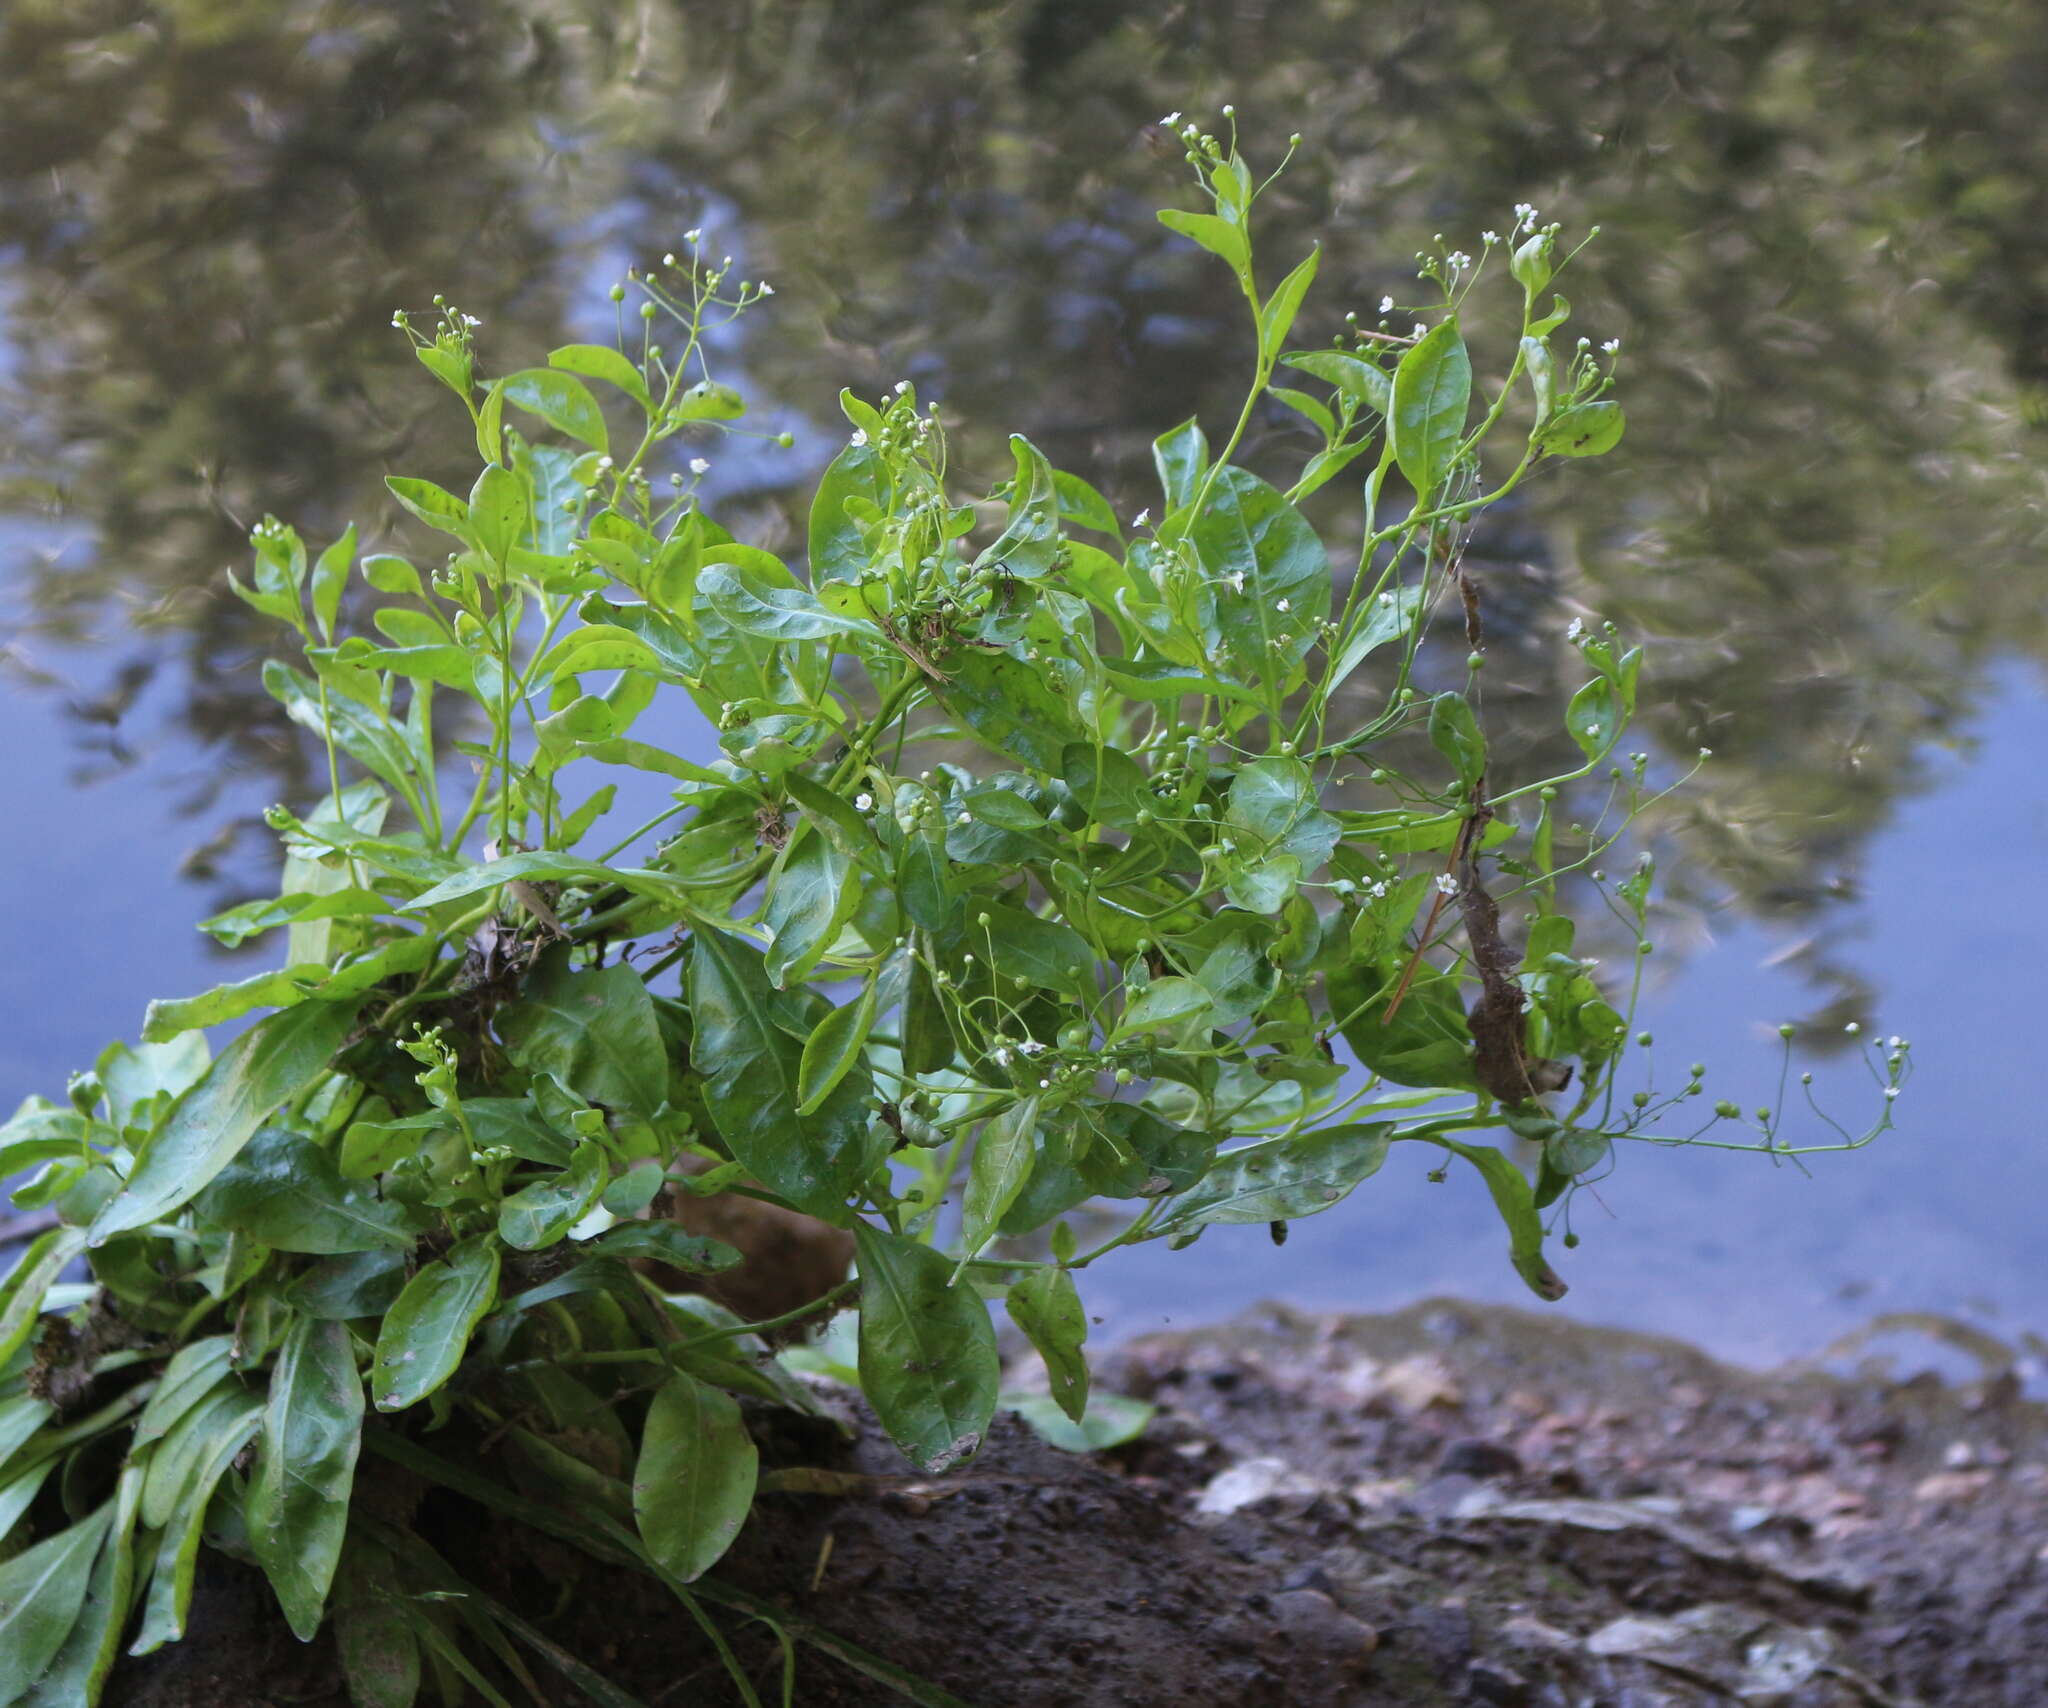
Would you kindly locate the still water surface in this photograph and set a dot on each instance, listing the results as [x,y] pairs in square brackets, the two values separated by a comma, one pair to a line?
[1823,252]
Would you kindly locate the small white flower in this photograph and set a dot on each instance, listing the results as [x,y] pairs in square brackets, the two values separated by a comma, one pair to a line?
[1418,330]
[1003,1057]
[767,290]
[1237,581]
[1489,237]
[604,462]
[1592,732]
[693,236]
[863,803]
[1853,1028]
[1386,305]
[471,321]
[1138,521]
[669,260]
[700,465]
[901,387]
[1611,346]
[1459,260]
[860,436]
[1170,120]
[1045,1085]
[1283,606]
[1574,629]
[1228,110]
[1446,884]
[1031,1047]
[1377,891]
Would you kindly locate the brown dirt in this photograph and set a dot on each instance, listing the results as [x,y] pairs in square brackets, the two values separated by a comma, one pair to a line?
[1452,1505]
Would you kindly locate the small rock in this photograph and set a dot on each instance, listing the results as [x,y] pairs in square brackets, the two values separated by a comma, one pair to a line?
[1470,1457]
[1947,1486]
[1253,1480]
[1489,1681]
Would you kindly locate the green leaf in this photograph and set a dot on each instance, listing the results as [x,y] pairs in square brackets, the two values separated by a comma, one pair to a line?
[808,902]
[1281,1179]
[1082,505]
[1016,944]
[1110,1421]
[602,362]
[340,1289]
[669,1244]
[838,552]
[1275,800]
[1432,390]
[541,865]
[268,1065]
[595,1031]
[195,1369]
[1002,1163]
[297,1504]
[1593,718]
[1011,706]
[1046,1306]
[230,1428]
[1584,430]
[757,606]
[1542,372]
[751,1061]
[1112,787]
[330,576]
[426,1331]
[373,1638]
[1218,236]
[1266,571]
[596,646]
[693,1483]
[1030,540]
[433,505]
[1181,456]
[928,1360]
[79,1672]
[562,401]
[238,925]
[21,1294]
[1163,679]
[1364,382]
[1388,617]
[833,1048]
[1454,732]
[1428,1042]
[1162,1006]
[1276,319]
[1516,1203]
[708,400]
[497,512]
[540,1214]
[284,1190]
[41,1593]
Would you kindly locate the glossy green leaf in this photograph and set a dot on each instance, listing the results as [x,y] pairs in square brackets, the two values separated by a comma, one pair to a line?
[928,1360]
[1046,1306]
[595,646]
[497,512]
[837,550]
[602,362]
[266,1066]
[1276,318]
[693,1483]
[284,1190]
[1181,457]
[1162,1006]
[540,1214]
[1001,1165]
[1266,571]
[330,576]
[1516,1203]
[664,1242]
[593,1030]
[231,1428]
[78,1673]
[427,1329]
[21,1293]
[1427,1043]
[1281,1179]
[1584,430]
[1432,392]
[1454,732]
[1274,800]
[562,401]
[809,900]
[1593,719]
[374,1639]
[833,1049]
[1364,382]
[1112,787]
[194,1371]
[1219,236]
[297,1504]
[433,505]
[1110,1421]
[1030,541]
[751,1061]
[1010,706]
[42,1590]
[340,1289]
[757,606]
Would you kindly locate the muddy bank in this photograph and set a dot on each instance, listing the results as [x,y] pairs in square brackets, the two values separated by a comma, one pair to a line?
[1451,1505]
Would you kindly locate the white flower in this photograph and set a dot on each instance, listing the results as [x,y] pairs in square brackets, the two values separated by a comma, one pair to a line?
[1031,1047]
[1283,606]
[1228,110]
[1574,629]
[1446,884]
[1459,260]
[1489,237]
[700,465]
[693,236]
[1377,891]
[669,260]
[863,802]
[1386,305]
[604,462]
[1852,1028]
[901,387]
[1170,120]
[1612,345]
[1386,598]
[1138,521]
[1237,581]
[1890,1092]
[860,436]
[1418,331]
[471,321]
[1003,1057]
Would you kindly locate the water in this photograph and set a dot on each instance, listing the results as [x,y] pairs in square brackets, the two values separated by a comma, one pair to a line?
[1819,237]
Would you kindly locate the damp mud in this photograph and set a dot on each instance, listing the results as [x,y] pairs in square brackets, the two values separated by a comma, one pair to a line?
[1453,1504]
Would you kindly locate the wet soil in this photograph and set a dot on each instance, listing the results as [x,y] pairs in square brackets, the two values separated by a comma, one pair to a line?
[1455,1504]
